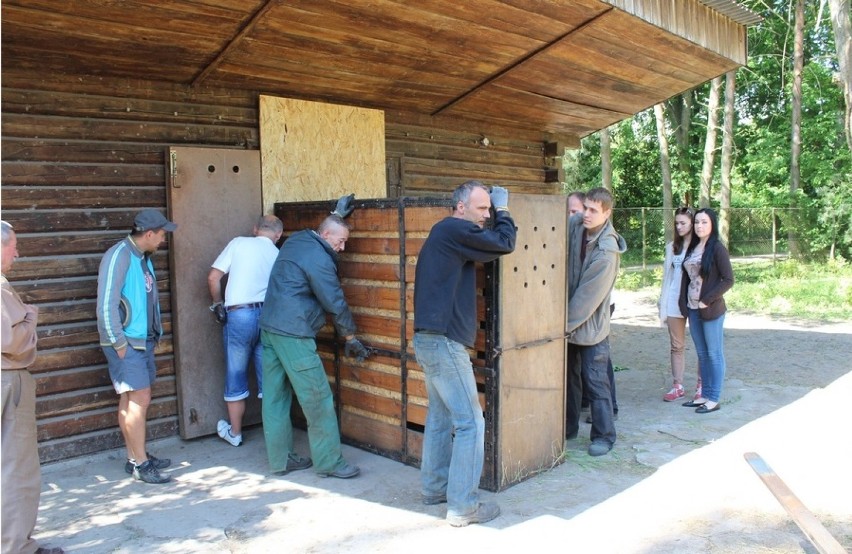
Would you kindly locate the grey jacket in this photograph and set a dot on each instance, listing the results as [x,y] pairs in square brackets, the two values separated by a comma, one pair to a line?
[303,287]
[590,284]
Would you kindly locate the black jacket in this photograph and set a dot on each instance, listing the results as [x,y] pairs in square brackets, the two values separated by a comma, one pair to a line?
[713,286]
[445,278]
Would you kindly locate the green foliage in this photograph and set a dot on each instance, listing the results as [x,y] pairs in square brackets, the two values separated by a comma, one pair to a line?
[810,291]
[761,171]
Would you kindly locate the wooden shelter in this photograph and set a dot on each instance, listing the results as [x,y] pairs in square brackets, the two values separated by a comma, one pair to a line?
[94,95]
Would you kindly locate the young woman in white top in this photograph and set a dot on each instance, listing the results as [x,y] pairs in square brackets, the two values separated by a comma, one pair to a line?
[670,315]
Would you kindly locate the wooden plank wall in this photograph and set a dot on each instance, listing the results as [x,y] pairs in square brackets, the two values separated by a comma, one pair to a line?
[82,154]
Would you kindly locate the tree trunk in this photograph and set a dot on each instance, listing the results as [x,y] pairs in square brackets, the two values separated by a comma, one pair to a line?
[666,171]
[680,113]
[796,117]
[606,159]
[843,43]
[727,158]
[710,143]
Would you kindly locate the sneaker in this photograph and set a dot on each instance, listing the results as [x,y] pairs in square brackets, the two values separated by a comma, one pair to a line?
[430,500]
[346,471]
[599,448]
[149,473]
[674,394]
[295,463]
[159,463]
[224,430]
[486,511]
[697,394]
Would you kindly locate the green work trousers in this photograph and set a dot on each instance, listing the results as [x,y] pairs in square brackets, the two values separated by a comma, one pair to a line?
[291,364]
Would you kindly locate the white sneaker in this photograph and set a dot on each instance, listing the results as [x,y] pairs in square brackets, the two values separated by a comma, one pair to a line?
[224,430]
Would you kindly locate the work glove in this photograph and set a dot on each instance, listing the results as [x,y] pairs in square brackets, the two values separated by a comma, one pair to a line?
[345,206]
[220,312]
[354,349]
[499,198]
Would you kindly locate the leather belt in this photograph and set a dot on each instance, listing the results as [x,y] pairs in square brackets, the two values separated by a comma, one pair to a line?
[241,306]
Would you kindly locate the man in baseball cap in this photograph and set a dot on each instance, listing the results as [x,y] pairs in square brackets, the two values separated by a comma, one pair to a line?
[151,219]
[129,326]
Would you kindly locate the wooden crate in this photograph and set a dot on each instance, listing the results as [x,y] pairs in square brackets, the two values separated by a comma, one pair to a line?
[519,352]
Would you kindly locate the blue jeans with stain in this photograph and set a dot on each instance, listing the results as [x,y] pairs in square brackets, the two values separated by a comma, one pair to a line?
[454,439]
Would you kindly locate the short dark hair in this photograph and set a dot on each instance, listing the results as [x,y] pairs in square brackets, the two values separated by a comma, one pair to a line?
[600,194]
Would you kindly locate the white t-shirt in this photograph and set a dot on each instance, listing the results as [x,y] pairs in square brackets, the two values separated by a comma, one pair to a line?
[248,262]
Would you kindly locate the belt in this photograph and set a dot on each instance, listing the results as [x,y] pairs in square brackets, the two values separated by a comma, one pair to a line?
[241,306]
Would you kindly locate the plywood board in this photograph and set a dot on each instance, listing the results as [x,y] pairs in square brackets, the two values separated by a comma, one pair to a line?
[532,278]
[318,151]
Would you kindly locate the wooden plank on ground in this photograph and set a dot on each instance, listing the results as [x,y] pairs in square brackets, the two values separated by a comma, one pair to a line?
[802,516]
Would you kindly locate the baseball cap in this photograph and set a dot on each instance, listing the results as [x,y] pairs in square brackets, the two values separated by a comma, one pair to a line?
[152,219]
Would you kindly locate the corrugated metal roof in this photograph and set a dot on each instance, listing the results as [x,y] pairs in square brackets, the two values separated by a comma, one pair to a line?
[735,11]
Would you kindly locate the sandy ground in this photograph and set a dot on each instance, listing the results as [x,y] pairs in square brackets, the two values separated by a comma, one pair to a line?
[676,481]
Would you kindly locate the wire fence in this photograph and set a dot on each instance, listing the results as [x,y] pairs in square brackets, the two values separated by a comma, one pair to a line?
[753,232]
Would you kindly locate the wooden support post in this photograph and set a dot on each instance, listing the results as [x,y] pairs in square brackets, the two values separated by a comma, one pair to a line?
[802,516]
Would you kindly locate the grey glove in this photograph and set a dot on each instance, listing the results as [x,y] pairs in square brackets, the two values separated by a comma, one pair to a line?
[220,312]
[345,206]
[499,198]
[354,349]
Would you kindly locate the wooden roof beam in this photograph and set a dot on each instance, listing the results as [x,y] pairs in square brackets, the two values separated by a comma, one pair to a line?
[507,69]
[244,30]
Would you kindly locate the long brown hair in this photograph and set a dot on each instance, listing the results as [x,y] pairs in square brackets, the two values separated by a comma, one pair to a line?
[677,245]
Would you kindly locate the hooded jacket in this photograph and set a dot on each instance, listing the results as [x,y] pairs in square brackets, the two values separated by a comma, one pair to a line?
[590,283]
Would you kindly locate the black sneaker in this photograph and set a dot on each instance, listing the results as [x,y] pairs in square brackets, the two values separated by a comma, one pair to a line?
[159,463]
[295,463]
[149,473]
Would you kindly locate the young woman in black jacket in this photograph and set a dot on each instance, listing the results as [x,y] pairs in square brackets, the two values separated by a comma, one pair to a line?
[707,276]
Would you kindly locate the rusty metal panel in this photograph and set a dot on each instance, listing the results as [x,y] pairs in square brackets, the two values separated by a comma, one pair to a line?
[214,196]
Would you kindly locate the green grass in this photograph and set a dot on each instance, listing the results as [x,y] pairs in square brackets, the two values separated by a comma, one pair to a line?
[815,292]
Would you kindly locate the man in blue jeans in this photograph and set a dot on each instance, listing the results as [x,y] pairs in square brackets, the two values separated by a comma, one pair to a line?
[445,324]
[247,261]
[594,254]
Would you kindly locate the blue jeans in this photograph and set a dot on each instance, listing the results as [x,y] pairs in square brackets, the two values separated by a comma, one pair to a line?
[708,337]
[454,440]
[241,337]
[595,368]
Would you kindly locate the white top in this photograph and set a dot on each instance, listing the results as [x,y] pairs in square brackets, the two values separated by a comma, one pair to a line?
[672,277]
[248,262]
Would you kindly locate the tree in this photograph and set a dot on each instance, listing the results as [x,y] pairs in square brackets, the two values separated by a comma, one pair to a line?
[843,44]
[710,143]
[796,120]
[606,159]
[665,170]
[727,157]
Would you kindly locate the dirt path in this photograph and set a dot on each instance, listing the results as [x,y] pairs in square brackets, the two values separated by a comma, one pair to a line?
[675,482]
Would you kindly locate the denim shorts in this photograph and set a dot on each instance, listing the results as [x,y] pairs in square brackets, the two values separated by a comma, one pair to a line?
[136,371]
[241,337]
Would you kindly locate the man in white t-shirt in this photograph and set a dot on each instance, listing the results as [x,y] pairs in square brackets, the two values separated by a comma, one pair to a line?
[248,262]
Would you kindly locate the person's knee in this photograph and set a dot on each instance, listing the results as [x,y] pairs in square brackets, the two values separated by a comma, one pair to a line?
[141,397]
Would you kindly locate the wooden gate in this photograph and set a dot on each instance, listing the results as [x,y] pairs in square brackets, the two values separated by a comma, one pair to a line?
[214,196]
[519,351]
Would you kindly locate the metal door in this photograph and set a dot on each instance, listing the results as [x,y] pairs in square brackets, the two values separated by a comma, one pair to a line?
[214,196]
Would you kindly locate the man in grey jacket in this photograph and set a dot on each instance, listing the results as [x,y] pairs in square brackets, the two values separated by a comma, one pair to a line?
[303,287]
[594,254]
